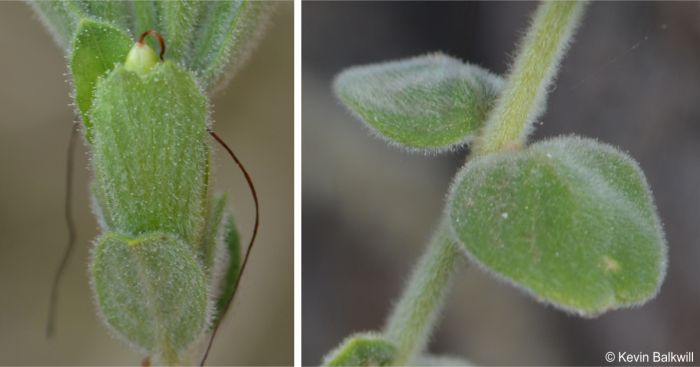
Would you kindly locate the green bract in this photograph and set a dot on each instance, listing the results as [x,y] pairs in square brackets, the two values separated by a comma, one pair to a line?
[233,269]
[176,24]
[115,12]
[149,153]
[59,19]
[97,48]
[151,291]
[569,219]
[212,234]
[364,349]
[427,102]
[165,269]
[228,32]
[207,38]
[151,167]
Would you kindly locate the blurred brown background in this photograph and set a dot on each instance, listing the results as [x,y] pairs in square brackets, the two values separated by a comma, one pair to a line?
[631,78]
[254,114]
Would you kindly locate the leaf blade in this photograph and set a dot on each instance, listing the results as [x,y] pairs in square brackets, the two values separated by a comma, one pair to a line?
[149,151]
[233,270]
[145,17]
[362,349]
[570,220]
[210,235]
[97,48]
[151,290]
[116,13]
[228,33]
[60,18]
[177,20]
[430,102]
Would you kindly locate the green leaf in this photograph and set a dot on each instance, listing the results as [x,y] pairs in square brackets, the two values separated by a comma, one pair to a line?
[97,48]
[145,17]
[431,102]
[210,237]
[151,291]
[104,218]
[209,38]
[60,18]
[177,22]
[570,220]
[117,13]
[233,269]
[362,349]
[149,151]
[228,32]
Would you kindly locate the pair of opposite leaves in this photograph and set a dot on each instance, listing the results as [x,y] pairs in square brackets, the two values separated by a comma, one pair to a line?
[570,220]
[153,267]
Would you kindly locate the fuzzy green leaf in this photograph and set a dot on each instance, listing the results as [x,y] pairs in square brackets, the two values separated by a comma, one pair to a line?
[210,238]
[363,349]
[97,48]
[228,32]
[151,291]
[570,220]
[145,17]
[104,218]
[233,269]
[149,152]
[177,24]
[60,18]
[117,13]
[431,102]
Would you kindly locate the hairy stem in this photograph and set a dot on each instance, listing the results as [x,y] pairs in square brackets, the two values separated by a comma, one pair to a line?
[410,324]
[524,98]
[517,108]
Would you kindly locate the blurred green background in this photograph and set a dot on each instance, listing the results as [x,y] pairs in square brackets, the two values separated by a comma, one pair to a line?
[254,114]
[631,78]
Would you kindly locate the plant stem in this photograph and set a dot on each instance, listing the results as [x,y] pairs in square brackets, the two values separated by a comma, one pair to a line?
[524,98]
[517,108]
[410,324]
